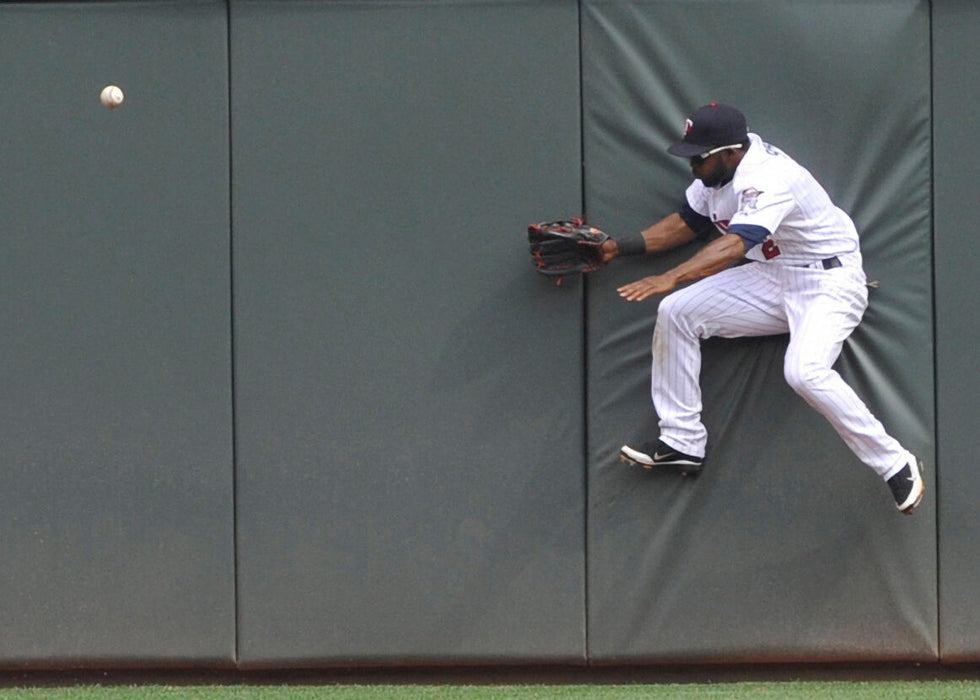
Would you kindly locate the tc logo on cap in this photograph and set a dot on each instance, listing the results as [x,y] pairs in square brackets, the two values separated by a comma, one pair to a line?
[688,125]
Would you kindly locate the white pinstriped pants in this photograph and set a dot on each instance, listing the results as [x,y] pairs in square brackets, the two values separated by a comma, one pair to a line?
[819,308]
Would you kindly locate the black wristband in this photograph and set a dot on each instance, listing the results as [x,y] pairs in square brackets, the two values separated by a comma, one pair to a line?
[632,245]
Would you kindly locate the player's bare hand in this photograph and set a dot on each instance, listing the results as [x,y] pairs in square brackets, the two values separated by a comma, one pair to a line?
[609,250]
[647,287]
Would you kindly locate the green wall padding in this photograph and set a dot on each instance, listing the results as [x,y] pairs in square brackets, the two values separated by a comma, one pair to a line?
[116,501]
[395,500]
[955,93]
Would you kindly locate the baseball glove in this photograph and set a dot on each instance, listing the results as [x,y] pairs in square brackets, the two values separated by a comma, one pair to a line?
[565,247]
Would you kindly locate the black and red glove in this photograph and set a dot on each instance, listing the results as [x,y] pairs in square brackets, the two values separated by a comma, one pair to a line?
[566,247]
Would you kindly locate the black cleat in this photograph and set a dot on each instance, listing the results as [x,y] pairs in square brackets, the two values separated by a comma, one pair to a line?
[907,487]
[658,454]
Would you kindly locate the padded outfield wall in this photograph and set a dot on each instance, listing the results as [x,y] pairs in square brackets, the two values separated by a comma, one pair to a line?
[274,353]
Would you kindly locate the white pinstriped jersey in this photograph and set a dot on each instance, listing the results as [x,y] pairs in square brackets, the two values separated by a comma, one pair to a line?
[772,191]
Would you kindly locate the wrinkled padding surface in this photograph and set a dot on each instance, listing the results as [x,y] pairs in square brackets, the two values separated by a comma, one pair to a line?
[955,90]
[786,547]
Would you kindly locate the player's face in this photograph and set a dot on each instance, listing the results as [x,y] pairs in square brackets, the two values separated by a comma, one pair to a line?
[713,171]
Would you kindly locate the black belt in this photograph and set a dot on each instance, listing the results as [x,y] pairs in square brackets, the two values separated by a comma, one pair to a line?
[827,263]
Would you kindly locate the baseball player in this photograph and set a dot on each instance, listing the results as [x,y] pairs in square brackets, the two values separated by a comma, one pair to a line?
[803,275]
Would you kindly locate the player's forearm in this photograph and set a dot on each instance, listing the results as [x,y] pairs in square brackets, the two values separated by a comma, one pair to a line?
[669,232]
[714,257]
[721,253]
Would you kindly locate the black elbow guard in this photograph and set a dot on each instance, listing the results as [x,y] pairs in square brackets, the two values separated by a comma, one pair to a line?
[699,223]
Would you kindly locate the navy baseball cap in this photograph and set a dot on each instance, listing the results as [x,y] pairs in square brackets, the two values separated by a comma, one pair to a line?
[712,126]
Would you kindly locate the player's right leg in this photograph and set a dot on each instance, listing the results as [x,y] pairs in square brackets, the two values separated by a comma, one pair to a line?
[741,301]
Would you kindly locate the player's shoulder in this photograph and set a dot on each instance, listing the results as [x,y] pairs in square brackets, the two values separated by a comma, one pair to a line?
[697,194]
[765,167]
[764,155]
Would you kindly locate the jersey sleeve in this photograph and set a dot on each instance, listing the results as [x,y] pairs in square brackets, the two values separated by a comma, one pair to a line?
[751,234]
[695,212]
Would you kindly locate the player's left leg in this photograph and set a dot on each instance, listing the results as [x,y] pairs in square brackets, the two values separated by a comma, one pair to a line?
[823,307]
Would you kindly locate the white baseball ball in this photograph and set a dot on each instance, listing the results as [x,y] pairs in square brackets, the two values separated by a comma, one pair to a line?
[112,96]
